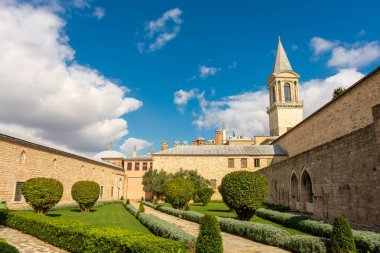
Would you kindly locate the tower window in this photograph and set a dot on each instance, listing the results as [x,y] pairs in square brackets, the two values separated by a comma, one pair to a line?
[273,95]
[287,94]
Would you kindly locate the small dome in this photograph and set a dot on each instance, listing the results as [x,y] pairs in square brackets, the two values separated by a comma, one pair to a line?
[109,154]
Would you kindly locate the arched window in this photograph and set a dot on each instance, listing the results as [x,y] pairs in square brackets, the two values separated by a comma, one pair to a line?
[294,188]
[55,163]
[273,95]
[23,157]
[287,94]
[306,188]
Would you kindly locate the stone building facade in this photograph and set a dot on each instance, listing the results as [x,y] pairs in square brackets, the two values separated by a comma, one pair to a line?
[21,159]
[135,168]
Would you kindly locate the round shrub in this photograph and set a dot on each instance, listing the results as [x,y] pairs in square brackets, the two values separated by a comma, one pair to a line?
[42,193]
[209,239]
[244,192]
[204,195]
[85,193]
[178,192]
[342,239]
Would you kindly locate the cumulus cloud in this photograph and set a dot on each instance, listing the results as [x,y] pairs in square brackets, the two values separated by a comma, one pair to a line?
[98,13]
[181,97]
[45,94]
[127,146]
[161,31]
[205,71]
[320,45]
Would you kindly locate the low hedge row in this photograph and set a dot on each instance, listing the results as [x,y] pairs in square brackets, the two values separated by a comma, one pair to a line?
[162,228]
[365,241]
[77,236]
[258,232]
[6,248]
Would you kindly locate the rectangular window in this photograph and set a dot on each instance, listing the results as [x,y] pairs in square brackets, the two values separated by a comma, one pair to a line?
[269,161]
[231,163]
[257,162]
[137,166]
[18,193]
[244,162]
[151,165]
[101,192]
[129,166]
[111,191]
[213,183]
[145,166]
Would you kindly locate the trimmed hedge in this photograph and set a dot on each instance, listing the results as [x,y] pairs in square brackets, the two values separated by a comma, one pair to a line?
[6,248]
[365,241]
[77,237]
[209,239]
[162,228]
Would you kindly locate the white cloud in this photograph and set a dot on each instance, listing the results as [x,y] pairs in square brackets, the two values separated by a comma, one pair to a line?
[181,97]
[127,146]
[205,71]
[321,45]
[161,30]
[45,94]
[233,65]
[98,13]
[354,56]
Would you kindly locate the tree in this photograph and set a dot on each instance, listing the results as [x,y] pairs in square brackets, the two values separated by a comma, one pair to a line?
[85,193]
[195,177]
[42,193]
[338,91]
[153,181]
[244,192]
[178,192]
[209,239]
[342,240]
[204,194]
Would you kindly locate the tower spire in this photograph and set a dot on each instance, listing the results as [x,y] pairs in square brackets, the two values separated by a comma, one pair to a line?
[282,61]
[134,152]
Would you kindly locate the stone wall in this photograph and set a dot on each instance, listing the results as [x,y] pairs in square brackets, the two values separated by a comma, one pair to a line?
[21,160]
[348,113]
[338,177]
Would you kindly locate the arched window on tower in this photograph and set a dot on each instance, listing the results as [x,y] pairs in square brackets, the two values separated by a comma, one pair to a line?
[23,157]
[287,94]
[273,95]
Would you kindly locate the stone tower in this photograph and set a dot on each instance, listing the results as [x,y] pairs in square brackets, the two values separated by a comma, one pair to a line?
[285,108]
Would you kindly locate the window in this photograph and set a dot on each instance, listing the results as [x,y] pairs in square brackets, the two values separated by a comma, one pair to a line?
[244,162]
[269,161]
[111,191]
[101,192]
[129,166]
[145,166]
[18,193]
[151,165]
[273,95]
[23,157]
[231,163]
[55,163]
[137,166]
[287,94]
[257,162]
[213,183]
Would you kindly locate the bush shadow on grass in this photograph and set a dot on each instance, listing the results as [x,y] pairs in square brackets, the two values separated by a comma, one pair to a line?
[78,210]
[53,215]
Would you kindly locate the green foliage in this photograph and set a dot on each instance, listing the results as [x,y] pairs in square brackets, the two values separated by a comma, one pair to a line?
[77,237]
[155,201]
[6,248]
[141,207]
[153,181]
[209,239]
[204,194]
[342,239]
[178,192]
[85,193]
[338,91]
[193,176]
[42,193]
[244,192]
[128,202]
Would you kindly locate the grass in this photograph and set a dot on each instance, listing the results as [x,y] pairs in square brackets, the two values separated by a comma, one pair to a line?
[220,209]
[111,215]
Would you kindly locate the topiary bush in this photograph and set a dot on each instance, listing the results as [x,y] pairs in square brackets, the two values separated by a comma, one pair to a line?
[209,239]
[85,193]
[342,239]
[128,202]
[141,207]
[205,194]
[244,192]
[42,193]
[178,192]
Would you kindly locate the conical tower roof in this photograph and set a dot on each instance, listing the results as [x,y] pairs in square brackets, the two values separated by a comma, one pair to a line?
[282,61]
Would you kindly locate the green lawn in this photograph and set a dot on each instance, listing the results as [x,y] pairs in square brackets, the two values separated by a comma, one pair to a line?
[110,215]
[221,210]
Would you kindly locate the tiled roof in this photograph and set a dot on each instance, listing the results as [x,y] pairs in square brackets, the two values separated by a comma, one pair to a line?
[220,150]
[139,158]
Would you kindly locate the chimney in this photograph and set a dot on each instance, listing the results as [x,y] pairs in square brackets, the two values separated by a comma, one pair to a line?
[218,137]
[164,145]
[176,144]
[185,143]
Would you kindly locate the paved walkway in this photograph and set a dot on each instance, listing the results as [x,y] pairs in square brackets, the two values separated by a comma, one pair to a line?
[26,243]
[231,243]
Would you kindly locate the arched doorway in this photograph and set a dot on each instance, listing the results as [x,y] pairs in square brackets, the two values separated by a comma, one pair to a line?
[294,193]
[307,193]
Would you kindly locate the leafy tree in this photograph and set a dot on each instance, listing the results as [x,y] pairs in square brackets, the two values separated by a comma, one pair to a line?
[178,192]
[338,91]
[42,193]
[209,239]
[153,181]
[244,192]
[204,194]
[342,240]
[195,177]
[85,193]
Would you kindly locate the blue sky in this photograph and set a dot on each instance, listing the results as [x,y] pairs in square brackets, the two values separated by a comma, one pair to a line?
[185,66]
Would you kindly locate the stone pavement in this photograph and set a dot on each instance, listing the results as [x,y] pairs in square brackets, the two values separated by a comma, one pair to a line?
[231,243]
[27,243]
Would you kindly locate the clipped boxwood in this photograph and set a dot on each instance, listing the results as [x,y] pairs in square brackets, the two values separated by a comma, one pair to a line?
[85,193]
[6,248]
[42,193]
[244,192]
[204,195]
[209,239]
[178,192]
[342,239]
